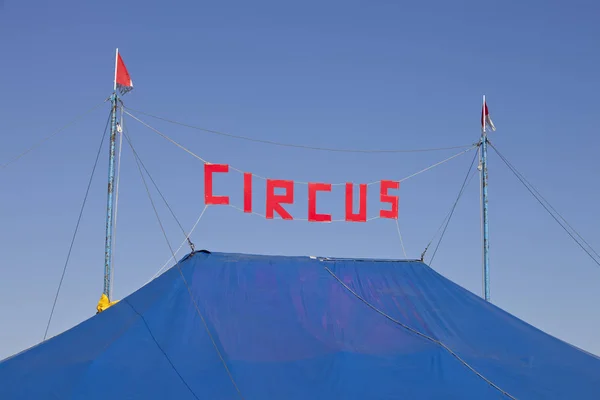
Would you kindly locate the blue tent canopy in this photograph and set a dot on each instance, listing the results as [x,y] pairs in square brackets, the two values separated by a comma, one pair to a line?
[229,326]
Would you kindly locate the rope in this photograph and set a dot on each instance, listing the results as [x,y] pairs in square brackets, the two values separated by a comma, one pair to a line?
[179,248]
[297,182]
[400,236]
[446,220]
[166,137]
[62,277]
[542,200]
[375,182]
[275,143]
[449,218]
[295,219]
[440,163]
[137,161]
[420,334]
[158,190]
[182,276]
[39,143]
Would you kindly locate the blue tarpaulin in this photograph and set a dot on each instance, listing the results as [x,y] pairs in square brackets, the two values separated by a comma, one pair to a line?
[229,326]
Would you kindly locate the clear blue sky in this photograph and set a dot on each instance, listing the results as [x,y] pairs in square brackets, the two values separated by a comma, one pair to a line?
[368,74]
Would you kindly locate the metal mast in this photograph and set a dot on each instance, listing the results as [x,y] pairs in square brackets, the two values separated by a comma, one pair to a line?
[111,184]
[484,200]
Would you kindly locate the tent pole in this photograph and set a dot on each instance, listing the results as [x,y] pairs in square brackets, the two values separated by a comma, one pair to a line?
[111,185]
[484,185]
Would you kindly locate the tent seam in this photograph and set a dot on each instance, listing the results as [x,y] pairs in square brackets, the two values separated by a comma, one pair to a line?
[89,363]
[427,337]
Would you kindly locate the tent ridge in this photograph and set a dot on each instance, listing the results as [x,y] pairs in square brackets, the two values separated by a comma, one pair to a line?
[418,333]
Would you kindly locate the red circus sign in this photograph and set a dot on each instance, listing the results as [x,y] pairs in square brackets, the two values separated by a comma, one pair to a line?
[275,202]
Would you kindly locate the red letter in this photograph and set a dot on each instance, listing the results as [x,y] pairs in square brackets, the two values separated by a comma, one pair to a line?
[247,192]
[386,198]
[362,210]
[312,202]
[274,200]
[208,195]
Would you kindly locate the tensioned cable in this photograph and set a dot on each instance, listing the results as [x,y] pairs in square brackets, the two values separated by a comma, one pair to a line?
[275,143]
[446,220]
[180,246]
[420,334]
[137,161]
[42,141]
[157,188]
[183,277]
[439,163]
[450,216]
[297,182]
[549,205]
[400,236]
[295,219]
[170,248]
[541,200]
[441,226]
[166,137]
[62,277]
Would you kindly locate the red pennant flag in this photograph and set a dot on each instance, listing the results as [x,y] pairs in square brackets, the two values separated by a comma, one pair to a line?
[123,81]
[485,117]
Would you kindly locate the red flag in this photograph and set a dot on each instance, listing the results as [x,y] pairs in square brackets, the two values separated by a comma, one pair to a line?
[485,117]
[123,81]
